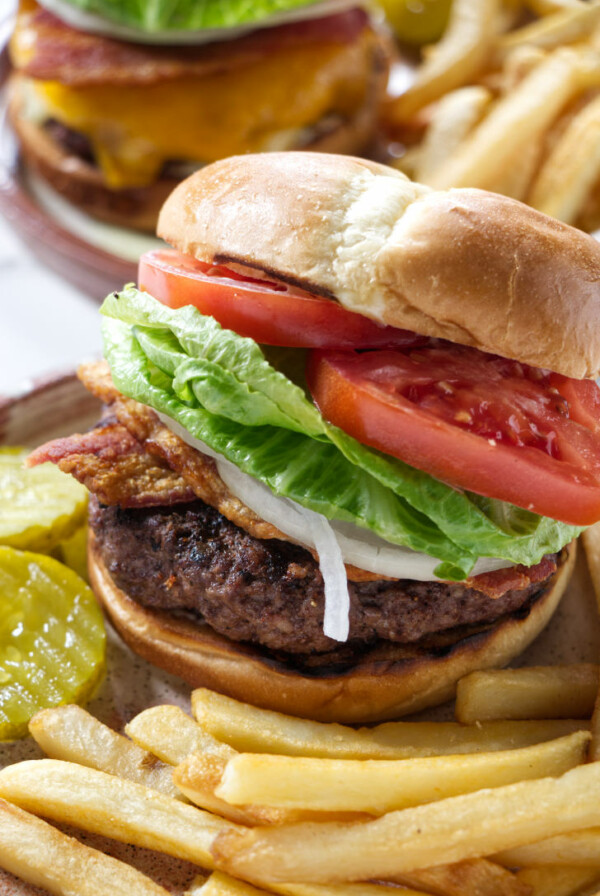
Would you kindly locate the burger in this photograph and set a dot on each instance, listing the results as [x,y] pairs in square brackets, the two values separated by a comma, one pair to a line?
[115,103]
[350,434]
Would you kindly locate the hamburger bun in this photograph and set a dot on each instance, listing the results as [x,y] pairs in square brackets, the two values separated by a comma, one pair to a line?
[455,264]
[386,683]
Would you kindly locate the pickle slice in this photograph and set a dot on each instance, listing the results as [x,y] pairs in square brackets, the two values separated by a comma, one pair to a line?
[52,638]
[39,507]
[73,552]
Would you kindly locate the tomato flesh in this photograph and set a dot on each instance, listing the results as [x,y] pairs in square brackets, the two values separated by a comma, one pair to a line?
[479,422]
[268,312]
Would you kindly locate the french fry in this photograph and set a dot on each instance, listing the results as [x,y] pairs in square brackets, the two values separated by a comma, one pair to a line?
[594,746]
[476,878]
[72,734]
[169,733]
[472,876]
[516,178]
[535,692]
[114,807]
[547,7]
[581,847]
[249,729]
[517,119]
[443,832]
[564,27]
[591,543]
[557,880]
[377,786]
[36,852]
[200,774]
[459,56]
[572,168]
[452,119]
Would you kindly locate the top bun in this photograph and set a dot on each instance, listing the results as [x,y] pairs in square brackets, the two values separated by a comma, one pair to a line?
[465,265]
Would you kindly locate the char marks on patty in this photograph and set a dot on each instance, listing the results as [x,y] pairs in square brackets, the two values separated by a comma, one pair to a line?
[190,559]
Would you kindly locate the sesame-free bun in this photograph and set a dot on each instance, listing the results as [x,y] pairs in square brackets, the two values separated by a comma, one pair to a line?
[466,265]
[388,681]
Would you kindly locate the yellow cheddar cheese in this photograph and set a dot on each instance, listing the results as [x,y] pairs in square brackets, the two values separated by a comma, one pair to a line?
[134,129]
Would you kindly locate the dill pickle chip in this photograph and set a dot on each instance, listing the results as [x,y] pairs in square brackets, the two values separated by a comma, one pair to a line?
[39,507]
[73,552]
[52,638]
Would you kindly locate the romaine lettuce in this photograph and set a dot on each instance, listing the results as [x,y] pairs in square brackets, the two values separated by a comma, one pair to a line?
[220,387]
[178,15]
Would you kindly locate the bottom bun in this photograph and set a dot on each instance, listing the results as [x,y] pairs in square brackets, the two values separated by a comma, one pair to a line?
[389,681]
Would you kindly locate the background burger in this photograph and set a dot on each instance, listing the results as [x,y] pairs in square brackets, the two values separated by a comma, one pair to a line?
[351,562]
[114,104]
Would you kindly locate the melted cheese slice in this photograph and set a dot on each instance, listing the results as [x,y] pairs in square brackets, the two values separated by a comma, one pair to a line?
[135,129]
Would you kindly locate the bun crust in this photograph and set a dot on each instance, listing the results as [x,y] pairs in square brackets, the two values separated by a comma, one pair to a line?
[389,682]
[465,265]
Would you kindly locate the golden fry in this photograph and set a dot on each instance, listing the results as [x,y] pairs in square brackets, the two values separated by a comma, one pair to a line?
[378,786]
[39,854]
[249,729]
[534,692]
[443,832]
[72,734]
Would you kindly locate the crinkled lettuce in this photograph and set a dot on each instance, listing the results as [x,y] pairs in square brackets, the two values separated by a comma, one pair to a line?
[221,388]
[179,15]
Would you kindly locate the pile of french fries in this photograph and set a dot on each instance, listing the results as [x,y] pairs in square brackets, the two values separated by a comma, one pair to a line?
[510,107]
[500,806]
[504,801]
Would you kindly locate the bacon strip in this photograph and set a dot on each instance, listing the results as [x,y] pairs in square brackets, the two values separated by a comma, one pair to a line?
[114,466]
[45,47]
[513,578]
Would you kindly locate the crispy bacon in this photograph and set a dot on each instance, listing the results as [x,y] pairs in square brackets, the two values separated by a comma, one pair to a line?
[513,578]
[45,47]
[114,466]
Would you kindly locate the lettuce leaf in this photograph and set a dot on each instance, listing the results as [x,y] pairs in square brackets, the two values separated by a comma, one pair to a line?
[173,15]
[221,388]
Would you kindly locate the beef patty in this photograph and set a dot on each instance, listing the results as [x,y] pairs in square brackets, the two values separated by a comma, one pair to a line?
[190,559]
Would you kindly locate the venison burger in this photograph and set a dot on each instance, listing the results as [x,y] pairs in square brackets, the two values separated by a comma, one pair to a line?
[350,434]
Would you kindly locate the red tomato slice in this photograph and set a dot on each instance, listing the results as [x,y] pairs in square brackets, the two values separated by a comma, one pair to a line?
[271,313]
[473,420]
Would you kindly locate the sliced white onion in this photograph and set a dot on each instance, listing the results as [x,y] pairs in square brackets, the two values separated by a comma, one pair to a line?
[96,24]
[359,547]
[336,619]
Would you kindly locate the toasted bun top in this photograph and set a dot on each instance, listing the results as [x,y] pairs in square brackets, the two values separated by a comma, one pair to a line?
[465,265]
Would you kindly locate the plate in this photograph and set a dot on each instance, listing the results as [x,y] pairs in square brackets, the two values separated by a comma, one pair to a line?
[89,254]
[60,406]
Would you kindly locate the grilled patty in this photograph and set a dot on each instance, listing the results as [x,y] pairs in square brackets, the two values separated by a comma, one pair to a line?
[190,559]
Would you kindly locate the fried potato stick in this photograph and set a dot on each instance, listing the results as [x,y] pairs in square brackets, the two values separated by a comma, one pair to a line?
[378,786]
[572,168]
[459,56]
[541,692]
[36,852]
[72,734]
[443,832]
[114,807]
[249,729]
[516,120]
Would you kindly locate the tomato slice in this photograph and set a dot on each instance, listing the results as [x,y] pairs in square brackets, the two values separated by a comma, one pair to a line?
[476,421]
[269,312]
